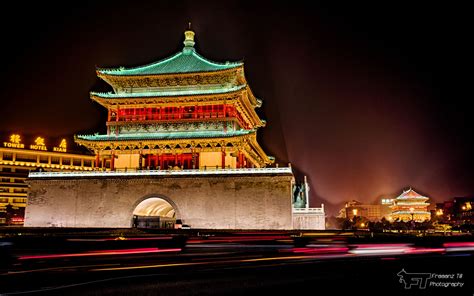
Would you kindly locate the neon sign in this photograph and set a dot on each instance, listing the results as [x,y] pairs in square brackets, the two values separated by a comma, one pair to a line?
[62,146]
[15,142]
[39,144]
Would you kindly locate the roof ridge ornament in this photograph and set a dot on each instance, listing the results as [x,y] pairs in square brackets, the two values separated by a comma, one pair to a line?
[189,38]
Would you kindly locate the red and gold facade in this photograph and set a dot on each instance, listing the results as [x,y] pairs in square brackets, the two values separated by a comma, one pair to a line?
[184,112]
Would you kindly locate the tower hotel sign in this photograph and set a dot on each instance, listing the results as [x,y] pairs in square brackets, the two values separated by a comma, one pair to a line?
[15,141]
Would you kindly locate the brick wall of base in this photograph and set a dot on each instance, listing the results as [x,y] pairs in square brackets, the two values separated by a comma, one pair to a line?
[214,202]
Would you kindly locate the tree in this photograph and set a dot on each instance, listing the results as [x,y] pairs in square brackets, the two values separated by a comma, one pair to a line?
[375,226]
[335,222]
[347,224]
[386,225]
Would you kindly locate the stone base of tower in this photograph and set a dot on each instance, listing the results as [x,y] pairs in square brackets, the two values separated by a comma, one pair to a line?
[226,199]
[309,219]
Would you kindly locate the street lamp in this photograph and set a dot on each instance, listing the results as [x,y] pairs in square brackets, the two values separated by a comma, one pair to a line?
[354,215]
[354,212]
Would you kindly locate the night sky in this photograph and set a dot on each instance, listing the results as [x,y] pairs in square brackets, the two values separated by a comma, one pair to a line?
[364,99]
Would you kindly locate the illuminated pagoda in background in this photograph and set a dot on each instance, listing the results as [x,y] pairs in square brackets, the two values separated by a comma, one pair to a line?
[410,206]
[183,112]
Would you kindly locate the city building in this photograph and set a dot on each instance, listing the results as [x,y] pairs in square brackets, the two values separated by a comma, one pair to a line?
[181,145]
[371,212]
[410,206]
[18,157]
[386,207]
[457,211]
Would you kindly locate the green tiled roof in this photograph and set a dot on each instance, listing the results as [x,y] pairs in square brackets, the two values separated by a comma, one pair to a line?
[409,212]
[186,61]
[165,136]
[168,93]
[411,194]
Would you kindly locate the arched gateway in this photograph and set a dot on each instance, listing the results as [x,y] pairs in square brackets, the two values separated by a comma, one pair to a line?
[154,212]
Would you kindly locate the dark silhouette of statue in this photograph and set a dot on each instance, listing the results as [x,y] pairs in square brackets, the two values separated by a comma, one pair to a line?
[298,196]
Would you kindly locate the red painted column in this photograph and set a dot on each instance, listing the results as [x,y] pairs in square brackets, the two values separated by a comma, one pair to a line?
[117,119]
[162,164]
[112,162]
[97,159]
[223,158]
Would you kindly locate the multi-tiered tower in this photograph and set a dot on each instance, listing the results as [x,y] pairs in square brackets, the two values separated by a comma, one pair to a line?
[409,206]
[183,112]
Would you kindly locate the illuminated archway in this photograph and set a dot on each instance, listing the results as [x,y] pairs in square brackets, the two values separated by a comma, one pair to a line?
[155,207]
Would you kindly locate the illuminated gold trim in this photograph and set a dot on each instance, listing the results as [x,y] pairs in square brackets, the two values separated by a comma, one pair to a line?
[247,144]
[173,79]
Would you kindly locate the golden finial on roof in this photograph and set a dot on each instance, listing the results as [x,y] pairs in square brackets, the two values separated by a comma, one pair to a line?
[189,37]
